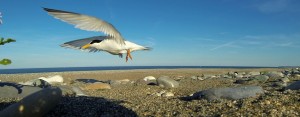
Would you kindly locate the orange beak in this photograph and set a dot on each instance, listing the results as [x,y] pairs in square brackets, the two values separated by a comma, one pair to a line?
[86,46]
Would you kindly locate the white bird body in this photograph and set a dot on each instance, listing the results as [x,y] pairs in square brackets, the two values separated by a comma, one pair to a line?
[115,48]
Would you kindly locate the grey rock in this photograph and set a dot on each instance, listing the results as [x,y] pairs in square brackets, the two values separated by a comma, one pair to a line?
[35,105]
[13,90]
[294,86]
[167,82]
[260,78]
[229,93]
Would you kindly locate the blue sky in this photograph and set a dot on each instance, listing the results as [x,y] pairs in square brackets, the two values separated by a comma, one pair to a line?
[181,32]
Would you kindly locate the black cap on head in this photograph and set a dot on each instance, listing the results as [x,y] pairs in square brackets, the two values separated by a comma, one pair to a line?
[95,41]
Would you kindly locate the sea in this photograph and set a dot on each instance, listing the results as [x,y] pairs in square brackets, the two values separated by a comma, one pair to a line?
[66,69]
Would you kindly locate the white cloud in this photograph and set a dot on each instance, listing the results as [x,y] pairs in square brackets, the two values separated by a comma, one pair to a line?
[272,6]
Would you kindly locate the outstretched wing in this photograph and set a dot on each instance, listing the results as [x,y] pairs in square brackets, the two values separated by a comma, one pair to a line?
[88,23]
[77,44]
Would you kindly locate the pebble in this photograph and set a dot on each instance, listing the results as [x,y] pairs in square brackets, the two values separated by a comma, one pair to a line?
[149,78]
[229,93]
[167,94]
[96,86]
[294,86]
[167,82]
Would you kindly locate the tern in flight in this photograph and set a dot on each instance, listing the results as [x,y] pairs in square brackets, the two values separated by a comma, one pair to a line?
[113,43]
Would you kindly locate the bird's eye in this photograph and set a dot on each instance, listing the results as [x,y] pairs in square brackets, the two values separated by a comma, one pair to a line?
[95,41]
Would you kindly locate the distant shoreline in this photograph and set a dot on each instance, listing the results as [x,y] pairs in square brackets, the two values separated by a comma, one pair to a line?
[70,69]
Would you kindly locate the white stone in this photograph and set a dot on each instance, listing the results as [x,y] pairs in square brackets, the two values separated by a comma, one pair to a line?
[149,78]
[53,79]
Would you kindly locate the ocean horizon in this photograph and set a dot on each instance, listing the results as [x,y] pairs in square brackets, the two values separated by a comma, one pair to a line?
[95,68]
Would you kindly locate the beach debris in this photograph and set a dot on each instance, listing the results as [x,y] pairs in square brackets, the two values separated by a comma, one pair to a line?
[96,86]
[229,93]
[53,79]
[35,105]
[167,82]
[14,90]
[294,86]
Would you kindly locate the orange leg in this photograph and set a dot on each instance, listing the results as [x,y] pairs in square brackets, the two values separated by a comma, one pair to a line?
[128,55]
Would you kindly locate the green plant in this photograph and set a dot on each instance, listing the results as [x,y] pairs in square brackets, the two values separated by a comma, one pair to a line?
[2,42]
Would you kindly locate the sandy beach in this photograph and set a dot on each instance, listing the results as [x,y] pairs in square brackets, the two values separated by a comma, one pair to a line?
[132,99]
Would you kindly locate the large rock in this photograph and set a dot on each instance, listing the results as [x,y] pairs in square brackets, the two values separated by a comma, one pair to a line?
[13,90]
[294,86]
[96,86]
[167,82]
[35,105]
[229,93]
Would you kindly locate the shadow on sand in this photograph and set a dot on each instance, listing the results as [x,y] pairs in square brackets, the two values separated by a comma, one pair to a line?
[90,107]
